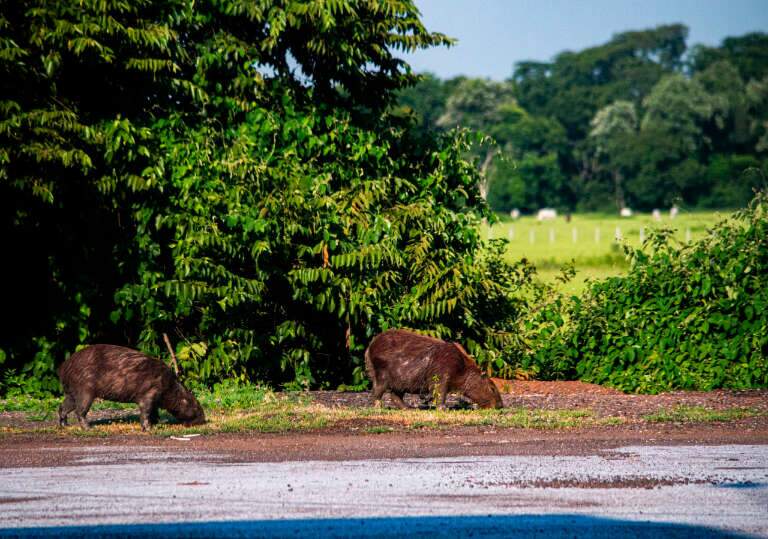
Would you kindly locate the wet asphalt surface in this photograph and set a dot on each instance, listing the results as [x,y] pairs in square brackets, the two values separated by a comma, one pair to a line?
[636,491]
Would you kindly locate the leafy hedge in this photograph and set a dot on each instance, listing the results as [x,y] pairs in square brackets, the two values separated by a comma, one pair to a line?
[229,173]
[690,316]
[278,247]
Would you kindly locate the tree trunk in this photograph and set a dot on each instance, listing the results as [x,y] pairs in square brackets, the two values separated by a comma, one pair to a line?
[618,190]
[484,173]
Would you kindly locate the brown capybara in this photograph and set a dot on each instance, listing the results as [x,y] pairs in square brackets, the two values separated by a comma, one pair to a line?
[121,374]
[401,362]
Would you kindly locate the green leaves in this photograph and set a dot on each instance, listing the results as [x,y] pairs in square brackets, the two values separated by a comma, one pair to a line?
[685,317]
[227,173]
[307,254]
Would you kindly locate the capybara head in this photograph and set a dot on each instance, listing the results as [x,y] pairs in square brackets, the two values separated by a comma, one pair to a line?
[184,406]
[486,394]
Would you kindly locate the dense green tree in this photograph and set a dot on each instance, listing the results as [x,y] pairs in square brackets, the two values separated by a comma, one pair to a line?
[526,133]
[528,183]
[296,237]
[478,104]
[731,180]
[576,84]
[523,152]
[557,101]
[528,175]
[670,144]
[228,173]
[677,107]
[484,106]
[427,99]
[729,126]
[613,129]
[748,53]
[757,102]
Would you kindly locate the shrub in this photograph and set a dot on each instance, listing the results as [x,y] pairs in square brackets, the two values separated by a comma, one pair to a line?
[686,316]
[231,174]
[279,246]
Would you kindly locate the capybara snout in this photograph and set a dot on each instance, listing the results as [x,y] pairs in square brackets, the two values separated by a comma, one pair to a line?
[121,374]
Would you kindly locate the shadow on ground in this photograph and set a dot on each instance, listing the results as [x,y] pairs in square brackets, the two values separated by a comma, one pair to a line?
[539,526]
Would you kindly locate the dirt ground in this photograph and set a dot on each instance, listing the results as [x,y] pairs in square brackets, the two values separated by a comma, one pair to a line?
[603,401]
[353,442]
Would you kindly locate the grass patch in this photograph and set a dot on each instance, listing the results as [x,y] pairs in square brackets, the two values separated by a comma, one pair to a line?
[699,414]
[224,396]
[589,239]
[45,406]
[291,416]
[22,403]
[233,408]
[284,413]
[230,395]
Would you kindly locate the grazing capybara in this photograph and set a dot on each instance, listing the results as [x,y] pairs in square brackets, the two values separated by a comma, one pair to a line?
[401,362]
[121,374]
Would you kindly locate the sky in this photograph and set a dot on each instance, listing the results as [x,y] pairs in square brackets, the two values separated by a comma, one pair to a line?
[494,34]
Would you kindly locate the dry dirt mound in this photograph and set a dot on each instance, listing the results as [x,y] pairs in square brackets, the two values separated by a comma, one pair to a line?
[602,401]
[533,387]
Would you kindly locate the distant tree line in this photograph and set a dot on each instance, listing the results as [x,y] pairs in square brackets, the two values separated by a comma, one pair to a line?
[641,121]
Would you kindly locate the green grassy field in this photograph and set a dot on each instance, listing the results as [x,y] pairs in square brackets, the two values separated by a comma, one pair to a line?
[590,240]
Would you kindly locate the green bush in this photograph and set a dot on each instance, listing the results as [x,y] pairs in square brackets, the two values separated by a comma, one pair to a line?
[231,173]
[280,246]
[686,316]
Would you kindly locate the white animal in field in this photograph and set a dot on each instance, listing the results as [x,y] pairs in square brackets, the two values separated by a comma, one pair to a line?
[626,212]
[673,211]
[656,215]
[515,214]
[546,214]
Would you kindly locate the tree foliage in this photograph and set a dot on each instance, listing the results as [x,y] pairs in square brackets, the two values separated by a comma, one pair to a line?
[686,316]
[230,173]
[288,241]
[614,129]
[690,110]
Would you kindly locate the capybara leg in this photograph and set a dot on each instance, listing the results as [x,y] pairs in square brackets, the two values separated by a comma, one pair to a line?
[397,399]
[82,405]
[66,407]
[146,422]
[376,393]
[443,394]
[148,411]
[443,389]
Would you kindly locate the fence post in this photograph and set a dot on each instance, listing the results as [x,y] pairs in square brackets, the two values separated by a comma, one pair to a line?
[511,232]
[575,235]
[597,234]
[551,235]
[532,235]
[618,234]
[642,234]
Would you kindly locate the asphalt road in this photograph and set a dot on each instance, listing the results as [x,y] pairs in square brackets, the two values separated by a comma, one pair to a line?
[681,491]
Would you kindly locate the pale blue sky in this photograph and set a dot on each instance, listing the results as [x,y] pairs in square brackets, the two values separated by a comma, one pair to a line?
[494,34]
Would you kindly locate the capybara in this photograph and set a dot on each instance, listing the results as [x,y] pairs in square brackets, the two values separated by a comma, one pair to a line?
[121,374]
[401,362]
